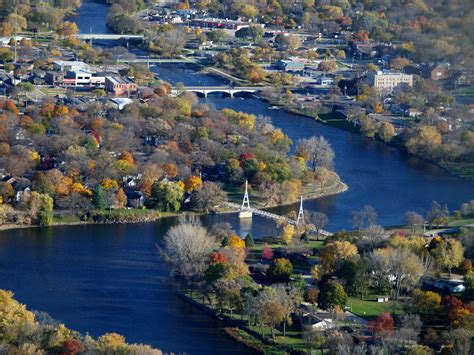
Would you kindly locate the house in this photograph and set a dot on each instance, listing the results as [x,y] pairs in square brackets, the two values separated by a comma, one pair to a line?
[413,112]
[316,321]
[120,102]
[22,194]
[439,72]
[120,86]
[67,65]
[444,285]
[462,79]
[324,81]
[135,199]
[290,65]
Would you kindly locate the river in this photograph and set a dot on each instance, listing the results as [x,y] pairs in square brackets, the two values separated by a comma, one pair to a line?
[103,278]
[385,177]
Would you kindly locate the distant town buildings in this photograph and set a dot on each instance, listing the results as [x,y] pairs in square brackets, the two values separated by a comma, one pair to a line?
[386,81]
[222,24]
[120,86]
[290,65]
[66,65]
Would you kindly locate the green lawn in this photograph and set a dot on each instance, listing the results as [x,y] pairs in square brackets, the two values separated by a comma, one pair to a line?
[313,244]
[369,308]
[66,219]
[461,222]
[338,122]
[465,170]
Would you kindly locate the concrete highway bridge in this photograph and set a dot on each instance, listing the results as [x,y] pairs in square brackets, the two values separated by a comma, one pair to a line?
[104,36]
[231,90]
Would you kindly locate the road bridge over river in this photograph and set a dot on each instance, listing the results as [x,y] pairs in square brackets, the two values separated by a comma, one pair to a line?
[106,36]
[231,90]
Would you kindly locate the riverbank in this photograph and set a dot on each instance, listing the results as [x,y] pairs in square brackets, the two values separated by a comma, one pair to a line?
[309,192]
[238,330]
[462,170]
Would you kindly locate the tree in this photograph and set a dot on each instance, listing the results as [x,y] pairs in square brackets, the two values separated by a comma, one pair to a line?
[319,220]
[334,253]
[121,198]
[437,214]
[267,253]
[290,298]
[323,176]
[364,218]
[401,266]
[386,131]
[414,220]
[448,254]
[217,35]
[426,302]
[99,198]
[332,294]
[383,325]
[249,242]
[272,314]
[67,29]
[311,295]
[192,183]
[314,338]
[399,63]
[45,212]
[248,11]
[317,151]
[208,197]
[372,237]
[166,196]
[187,247]
[288,233]
[252,32]
[288,42]
[235,241]
[280,270]
[327,66]
[356,275]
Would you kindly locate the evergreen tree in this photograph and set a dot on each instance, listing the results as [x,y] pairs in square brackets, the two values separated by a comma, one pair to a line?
[304,237]
[99,198]
[225,242]
[249,242]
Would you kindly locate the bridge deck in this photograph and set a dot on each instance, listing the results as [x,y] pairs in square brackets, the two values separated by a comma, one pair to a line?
[273,216]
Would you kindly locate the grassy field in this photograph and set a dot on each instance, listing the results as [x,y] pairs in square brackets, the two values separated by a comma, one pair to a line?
[369,308]
[465,170]
[66,219]
[336,121]
[464,91]
[461,222]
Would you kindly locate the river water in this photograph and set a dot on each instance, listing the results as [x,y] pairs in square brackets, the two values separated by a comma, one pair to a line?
[106,278]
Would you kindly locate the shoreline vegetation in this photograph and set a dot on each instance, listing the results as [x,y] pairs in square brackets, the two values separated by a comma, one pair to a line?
[457,169]
[28,332]
[150,216]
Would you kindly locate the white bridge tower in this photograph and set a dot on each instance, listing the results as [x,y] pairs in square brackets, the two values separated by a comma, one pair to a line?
[300,213]
[245,210]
